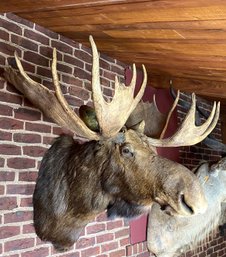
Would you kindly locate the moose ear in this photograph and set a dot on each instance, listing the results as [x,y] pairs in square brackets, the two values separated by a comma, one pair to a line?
[139,127]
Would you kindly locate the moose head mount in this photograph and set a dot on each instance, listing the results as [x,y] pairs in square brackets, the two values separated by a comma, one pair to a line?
[117,170]
[168,235]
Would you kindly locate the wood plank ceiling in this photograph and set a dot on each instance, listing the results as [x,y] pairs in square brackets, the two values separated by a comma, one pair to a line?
[182,40]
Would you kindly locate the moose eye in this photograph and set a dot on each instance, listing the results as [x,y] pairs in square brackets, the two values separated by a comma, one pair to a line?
[127,151]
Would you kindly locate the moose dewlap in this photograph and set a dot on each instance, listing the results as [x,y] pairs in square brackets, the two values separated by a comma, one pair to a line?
[117,170]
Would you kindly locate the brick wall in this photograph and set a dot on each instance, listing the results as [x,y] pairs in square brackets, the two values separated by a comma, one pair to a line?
[25,134]
[191,156]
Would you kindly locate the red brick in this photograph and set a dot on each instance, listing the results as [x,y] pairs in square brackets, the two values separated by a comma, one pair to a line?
[87,85]
[9,49]
[4,35]
[221,253]
[118,253]
[28,229]
[79,92]
[109,247]
[48,140]
[27,114]
[114,224]
[85,56]
[10,98]
[71,80]
[12,124]
[85,242]
[7,176]
[62,47]
[2,81]
[27,138]
[93,229]
[36,37]
[19,20]
[3,63]
[9,231]
[5,135]
[36,58]
[64,68]
[11,27]
[82,74]
[74,61]
[20,163]
[129,250]
[6,110]
[46,32]
[69,41]
[48,52]
[2,162]
[2,190]
[92,251]
[20,189]
[10,149]
[104,238]
[74,101]
[45,72]
[57,131]
[118,70]
[202,254]
[26,202]
[109,75]
[11,89]
[124,242]
[107,91]
[34,151]
[29,176]
[101,217]
[8,203]
[24,42]
[18,216]
[135,248]
[41,128]
[19,244]
[51,87]
[216,248]
[122,233]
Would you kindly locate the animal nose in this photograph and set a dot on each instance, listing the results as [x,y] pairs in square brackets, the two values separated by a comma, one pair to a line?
[191,207]
[185,206]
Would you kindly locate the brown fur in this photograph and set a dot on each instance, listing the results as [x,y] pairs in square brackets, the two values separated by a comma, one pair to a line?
[78,181]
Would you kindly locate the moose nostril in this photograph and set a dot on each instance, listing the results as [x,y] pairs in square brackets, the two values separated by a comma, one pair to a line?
[185,204]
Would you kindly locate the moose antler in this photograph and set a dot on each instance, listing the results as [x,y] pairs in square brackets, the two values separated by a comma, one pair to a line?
[188,133]
[111,116]
[49,103]
[122,103]
[56,107]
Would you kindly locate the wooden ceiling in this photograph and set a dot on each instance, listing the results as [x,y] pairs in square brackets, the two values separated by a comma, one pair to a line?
[182,40]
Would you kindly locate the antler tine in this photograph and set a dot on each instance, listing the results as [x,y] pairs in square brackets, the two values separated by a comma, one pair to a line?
[24,74]
[188,133]
[170,113]
[81,127]
[53,106]
[112,116]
